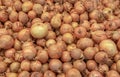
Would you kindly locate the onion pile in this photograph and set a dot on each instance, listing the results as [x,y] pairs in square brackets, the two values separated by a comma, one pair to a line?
[59,38]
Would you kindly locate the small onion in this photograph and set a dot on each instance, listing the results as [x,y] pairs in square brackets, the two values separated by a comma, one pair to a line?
[29,53]
[65,56]
[38,8]
[36,74]
[54,51]
[3,16]
[80,32]
[76,53]
[24,35]
[112,73]
[89,53]
[91,65]
[27,6]
[24,74]
[6,41]
[73,73]
[15,66]
[56,21]
[44,67]
[42,56]
[49,73]
[83,43]
[35,66]
[67,66]
[95,74]
[68,38]
[80,65]
[25,65]
[55,65]
[10,53]
[3,66]
[11,74]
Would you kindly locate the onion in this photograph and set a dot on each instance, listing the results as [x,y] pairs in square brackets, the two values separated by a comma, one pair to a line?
[118,44]
[75,17]
[67,18]
[66,28]
[42,2]
[112,73]
[61,45]
[39,30]
[3,66]
[29,53]
[95,74]
[117,57]
[18,5]
[99,36]
[25,65]
[79,8]
[97,15]
[91,65]
[118,65]
[3,31]
[101,57]
[49,73]
[80,65]
[6,41]
[24,74]
[67,6]
[51,35]
[61,75]
[65,56]
[84,16]
[89,53]
[24,35]
[68,38]
[46,16]
[27,44]
[10,53]
[56,21]
[42,56]
[17,26]
[103,68]
[27,6]
[113,66]
[109,47]
[15,66]
[83,43]
[44,67]
[13,16]
[38,8]
[41,42]
[67,66]
[73,72]
[36,20]
[55,65]
[3,16]
[80,32]
[54,51]
[96,26]
[36,74]
[11,74]
[76,53]
[31,14]
[50,42]
[23,17]
[35,66]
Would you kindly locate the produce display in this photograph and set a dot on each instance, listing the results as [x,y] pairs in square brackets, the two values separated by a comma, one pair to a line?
[59,38]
